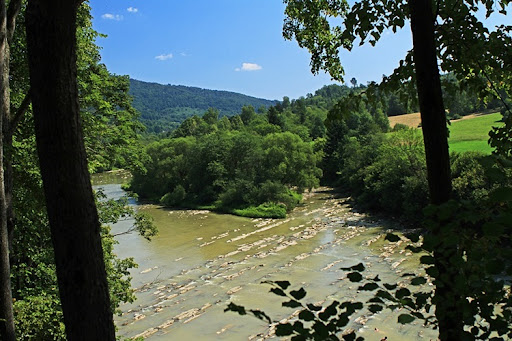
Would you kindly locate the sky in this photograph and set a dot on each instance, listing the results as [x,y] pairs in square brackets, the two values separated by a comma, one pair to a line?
[233,45]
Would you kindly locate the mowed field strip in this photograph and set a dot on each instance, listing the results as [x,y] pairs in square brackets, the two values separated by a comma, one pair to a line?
[471,133]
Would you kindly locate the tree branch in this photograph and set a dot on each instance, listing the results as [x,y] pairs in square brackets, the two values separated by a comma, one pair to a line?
[12,14]
[14,121]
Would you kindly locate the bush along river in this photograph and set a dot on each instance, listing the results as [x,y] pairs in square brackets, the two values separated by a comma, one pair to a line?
[201,261]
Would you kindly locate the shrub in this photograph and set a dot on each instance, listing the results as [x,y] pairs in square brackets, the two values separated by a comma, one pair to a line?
[175,198]
[399,127]
[266,210]
[39,318]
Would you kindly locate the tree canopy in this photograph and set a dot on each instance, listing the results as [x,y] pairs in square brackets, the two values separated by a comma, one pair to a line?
[447,35]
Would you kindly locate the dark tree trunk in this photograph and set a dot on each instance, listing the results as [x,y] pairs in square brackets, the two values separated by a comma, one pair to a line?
[6,310]
[51,42]
[433,116]
[435,135]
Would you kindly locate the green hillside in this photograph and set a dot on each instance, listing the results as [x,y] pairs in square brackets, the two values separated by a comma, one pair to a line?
[164,107]
[472,134]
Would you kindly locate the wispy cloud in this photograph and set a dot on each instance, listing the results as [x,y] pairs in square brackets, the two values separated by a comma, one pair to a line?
[132,9]
[183,54]
[164,56]
[249,67]
[110,16]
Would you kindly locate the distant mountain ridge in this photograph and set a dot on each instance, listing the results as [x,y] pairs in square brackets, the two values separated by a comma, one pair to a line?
[164,107]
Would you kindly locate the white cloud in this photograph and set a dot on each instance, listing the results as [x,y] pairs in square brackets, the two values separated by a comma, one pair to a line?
[249,67]
[110,16]
[164,56]
[132,9]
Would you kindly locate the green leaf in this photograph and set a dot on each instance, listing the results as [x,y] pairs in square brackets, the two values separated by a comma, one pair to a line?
[418,280]
[356,305]
[282,284]
[402,292]
[418,315]
[291,304]
[405,318]
[306,315]
[329,311]
[408,274]
[314,307]
[369,287]
[392,237]
[284,329]
[414,249]
[375,308]
[349,337]
[375,300]
[321,329]
[299,328]
[236,308]
[359,267]
[298,294]
[390,286]
[385,295]
[261,315]
[355,277]
[413,237]
[421,298]
[343,320]
[432,272]
[278,291]
[427,260]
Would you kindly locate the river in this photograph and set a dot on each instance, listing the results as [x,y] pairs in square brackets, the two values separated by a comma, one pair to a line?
[201,261]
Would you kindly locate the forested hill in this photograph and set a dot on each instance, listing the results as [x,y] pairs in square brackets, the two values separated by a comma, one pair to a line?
[164,107]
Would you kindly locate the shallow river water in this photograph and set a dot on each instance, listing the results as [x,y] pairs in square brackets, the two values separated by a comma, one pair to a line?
[201,261]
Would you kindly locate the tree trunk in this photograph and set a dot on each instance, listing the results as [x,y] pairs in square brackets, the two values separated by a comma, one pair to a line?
[430,96]
[75,228]
[435,135]
[6,310]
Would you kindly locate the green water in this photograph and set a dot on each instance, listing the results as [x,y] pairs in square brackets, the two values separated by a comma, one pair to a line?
[201,261]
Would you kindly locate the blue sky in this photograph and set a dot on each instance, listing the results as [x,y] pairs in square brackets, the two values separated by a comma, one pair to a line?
[233,45]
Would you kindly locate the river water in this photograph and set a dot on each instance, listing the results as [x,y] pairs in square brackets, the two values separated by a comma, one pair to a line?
[201,261]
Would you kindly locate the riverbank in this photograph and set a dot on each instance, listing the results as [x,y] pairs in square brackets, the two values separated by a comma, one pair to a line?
[202,261]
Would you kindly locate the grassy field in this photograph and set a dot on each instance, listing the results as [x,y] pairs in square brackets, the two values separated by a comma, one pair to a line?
[468,134]
[472,134]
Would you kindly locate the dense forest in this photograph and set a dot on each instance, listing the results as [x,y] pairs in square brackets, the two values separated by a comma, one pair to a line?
[250,157]
[258,163]
[164,107]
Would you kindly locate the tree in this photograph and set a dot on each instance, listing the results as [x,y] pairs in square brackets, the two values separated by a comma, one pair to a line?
[274,117]
[247,114]
[7,24]
[211,116]
[465,46]
[353,81]
[51,42]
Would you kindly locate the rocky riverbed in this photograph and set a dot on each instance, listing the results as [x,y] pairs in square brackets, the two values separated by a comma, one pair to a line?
[201,261]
